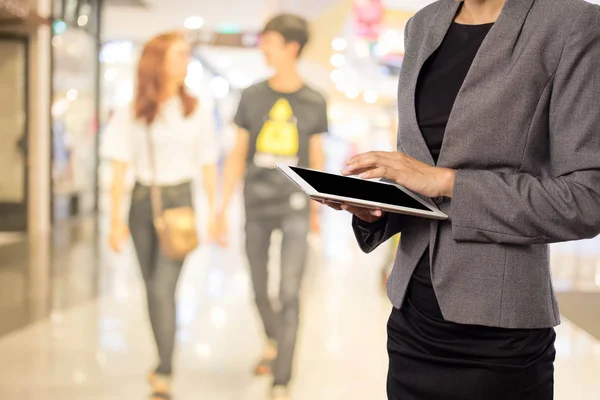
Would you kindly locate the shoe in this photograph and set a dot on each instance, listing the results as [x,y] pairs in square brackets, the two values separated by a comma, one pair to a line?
[263,367]
[161,387]
[280,392]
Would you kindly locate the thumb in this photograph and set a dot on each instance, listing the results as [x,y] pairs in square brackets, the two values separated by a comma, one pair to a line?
[376,213]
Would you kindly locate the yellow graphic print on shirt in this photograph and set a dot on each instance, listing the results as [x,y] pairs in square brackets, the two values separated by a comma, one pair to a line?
[279,134]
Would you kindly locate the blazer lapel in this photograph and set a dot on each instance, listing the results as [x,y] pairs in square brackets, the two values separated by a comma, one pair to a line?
[415,144]
[495,54]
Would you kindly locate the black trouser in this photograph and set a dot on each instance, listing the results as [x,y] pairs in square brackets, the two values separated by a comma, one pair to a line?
[160,273]
[280,326]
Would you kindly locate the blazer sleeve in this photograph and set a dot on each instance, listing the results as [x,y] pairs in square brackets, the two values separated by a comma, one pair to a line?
[521,209]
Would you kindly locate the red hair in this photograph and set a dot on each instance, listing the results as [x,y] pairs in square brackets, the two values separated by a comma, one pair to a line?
[151,80]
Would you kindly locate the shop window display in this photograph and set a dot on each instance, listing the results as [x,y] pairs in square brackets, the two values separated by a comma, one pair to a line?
[74,109]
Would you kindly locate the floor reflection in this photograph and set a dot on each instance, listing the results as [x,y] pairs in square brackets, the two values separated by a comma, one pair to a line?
[96,344]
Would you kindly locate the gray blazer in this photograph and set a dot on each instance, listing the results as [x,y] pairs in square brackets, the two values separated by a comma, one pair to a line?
[524,136]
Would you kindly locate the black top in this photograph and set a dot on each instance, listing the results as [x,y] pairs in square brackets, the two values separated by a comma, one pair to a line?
[439,82]
[438,85]
[441,78]
[280,127]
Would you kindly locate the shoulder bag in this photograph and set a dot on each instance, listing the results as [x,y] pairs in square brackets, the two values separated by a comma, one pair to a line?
[175,227]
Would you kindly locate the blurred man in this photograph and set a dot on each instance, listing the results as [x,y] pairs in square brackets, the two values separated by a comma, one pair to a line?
[279,120]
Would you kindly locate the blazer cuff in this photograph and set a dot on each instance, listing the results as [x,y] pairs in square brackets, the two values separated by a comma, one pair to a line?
[369,234]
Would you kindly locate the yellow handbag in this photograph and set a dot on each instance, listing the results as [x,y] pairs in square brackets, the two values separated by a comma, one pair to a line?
[175,227]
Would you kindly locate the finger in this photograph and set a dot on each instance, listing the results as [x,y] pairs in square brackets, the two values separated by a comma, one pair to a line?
[372,161]
[357,171]
[362,156]
[335,206]
[362,161]
[376,212]
[380,172]
[363,213]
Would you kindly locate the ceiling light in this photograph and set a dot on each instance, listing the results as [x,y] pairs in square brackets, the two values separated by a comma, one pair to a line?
[352,93]
[59,108]
[336,75]
[341,86]
[338,60]
[117,52]
[370,97]
[339,44]
[82,20]
[193,22]
[72,95]
[57,41]
[195,69]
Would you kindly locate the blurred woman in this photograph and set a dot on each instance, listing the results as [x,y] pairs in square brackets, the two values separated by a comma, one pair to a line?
[165,136]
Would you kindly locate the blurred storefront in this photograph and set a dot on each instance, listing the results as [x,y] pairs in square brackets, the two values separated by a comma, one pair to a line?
[23,87]
[75,106]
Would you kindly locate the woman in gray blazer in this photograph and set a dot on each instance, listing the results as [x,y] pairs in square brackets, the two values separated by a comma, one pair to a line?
[500,125]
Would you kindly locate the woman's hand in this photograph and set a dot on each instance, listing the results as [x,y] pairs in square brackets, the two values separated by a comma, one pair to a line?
[404,170]
[119,232]
[365,214]
[212,228]
[221,229]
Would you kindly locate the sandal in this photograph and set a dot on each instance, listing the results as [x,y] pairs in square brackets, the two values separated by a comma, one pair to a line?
[161,387]
[263,367]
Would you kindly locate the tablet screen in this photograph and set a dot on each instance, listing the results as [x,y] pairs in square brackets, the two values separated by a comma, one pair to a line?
[357,188]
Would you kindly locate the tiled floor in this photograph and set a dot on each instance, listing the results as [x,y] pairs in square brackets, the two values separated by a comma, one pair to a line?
[73,322]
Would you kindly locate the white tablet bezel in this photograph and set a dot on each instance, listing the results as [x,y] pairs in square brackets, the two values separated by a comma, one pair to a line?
[434,212]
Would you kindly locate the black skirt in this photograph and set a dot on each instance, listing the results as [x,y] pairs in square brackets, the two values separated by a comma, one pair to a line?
[431,359]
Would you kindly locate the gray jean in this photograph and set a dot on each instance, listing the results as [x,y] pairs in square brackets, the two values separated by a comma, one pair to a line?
[160,274]
[282,325]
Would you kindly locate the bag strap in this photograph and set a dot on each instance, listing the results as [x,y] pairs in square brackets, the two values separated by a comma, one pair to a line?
[155,192]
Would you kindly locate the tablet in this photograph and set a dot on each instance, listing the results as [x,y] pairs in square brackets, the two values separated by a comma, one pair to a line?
[360,192]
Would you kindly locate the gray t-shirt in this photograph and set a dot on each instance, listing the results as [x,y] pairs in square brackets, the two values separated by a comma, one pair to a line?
[280,126]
